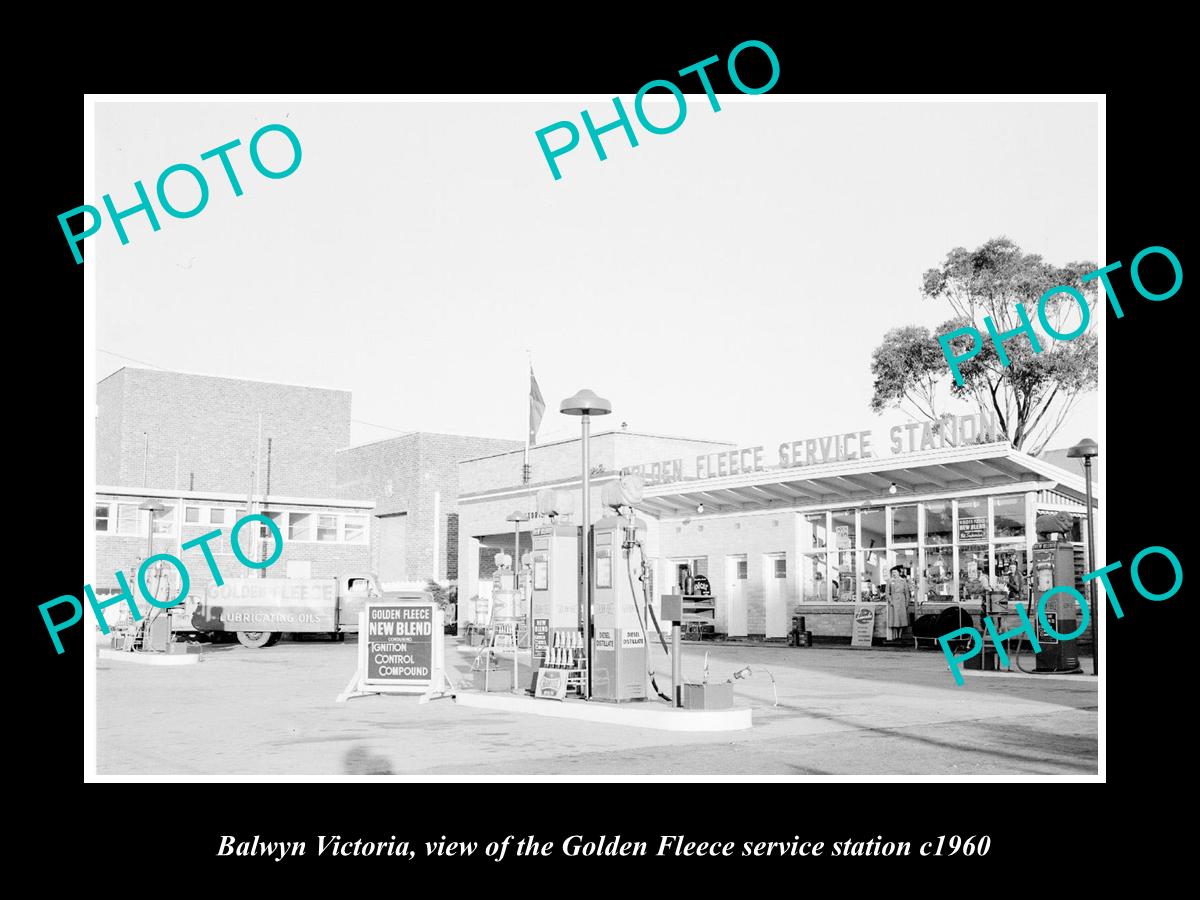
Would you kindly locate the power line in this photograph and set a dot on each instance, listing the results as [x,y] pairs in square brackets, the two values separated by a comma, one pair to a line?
[141,362]
[385,427]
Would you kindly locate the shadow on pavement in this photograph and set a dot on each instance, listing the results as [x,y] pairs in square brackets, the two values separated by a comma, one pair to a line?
[360,761]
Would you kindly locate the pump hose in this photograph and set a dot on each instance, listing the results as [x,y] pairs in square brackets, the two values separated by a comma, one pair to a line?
[642,623]
[1020,651]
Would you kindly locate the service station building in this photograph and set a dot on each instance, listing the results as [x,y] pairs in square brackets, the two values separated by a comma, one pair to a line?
[807,527]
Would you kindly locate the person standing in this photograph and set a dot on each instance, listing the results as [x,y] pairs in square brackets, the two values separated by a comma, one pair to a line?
[899,594]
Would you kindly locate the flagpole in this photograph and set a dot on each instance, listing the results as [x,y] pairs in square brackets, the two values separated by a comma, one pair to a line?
[528,426]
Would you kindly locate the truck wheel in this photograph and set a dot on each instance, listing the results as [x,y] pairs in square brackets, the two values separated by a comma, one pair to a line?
[255,639]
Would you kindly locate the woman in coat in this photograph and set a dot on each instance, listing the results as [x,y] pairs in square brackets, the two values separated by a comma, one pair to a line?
[899,595]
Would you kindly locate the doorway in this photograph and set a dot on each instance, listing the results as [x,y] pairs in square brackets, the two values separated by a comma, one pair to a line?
[392,561]
[775,594]
[737,571]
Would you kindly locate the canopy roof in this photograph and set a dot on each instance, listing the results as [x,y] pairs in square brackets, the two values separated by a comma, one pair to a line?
[975,469]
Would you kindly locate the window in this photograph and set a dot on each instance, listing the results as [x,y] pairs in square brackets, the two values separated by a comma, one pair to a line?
[904,524]
[1009,518]
[972,520]
[814,577]
[102,520]
[938,523]
[696,565]
[327,528]
[355,529]
[216,516]
[300,527]
[1010,572]
[974,564]
[742,570]
[939,573]
[907,560]
[127,518]
[874,585]
[844,537]
[814,532]
[191,515]
[845,576]
[164,520]
[264,531]
[814,561]
[781,567]
[873,534]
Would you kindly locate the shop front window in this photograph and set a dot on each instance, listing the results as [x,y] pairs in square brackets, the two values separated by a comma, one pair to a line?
[939,574]
[974,564]
[1010,572]
[874,583]
[814,577]
[907,561]
[939,523]
[904,524]
[874,531]
[844,576]
[843,529]
[814,532]
[973,520]
[1009,519]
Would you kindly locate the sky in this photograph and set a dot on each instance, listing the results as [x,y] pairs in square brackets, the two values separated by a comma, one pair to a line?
[727,281]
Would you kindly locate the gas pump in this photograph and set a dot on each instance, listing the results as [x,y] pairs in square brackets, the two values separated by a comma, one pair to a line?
[1054,564]
[555,564]
[524,586]
[620,655]
[504,589]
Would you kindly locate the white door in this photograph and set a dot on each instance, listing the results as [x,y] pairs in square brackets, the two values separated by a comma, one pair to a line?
[735,590]
[775,593]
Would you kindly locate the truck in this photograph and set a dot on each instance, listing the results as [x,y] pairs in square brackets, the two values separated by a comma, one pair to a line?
[259,611]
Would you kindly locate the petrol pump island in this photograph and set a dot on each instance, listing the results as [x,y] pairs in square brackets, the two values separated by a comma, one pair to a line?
[596,666]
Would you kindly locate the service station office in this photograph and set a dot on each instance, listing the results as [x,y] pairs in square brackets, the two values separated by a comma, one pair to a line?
[809,527]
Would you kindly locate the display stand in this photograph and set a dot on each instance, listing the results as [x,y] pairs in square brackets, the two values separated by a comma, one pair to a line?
[565,651]
[699,616]
[502,635]
[417,669]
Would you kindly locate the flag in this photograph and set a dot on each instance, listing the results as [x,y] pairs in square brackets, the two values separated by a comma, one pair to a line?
[537,406]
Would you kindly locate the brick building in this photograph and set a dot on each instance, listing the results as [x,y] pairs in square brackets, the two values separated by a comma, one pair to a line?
[198,433]
[413,479]
[206,449]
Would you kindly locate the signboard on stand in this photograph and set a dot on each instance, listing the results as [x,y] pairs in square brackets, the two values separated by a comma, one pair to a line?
[552,684]
[400,651]
[864,626]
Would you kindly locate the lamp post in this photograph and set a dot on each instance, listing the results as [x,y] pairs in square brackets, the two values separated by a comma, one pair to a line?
[516,518]
[586,404]
[1087,450]
[151,506]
